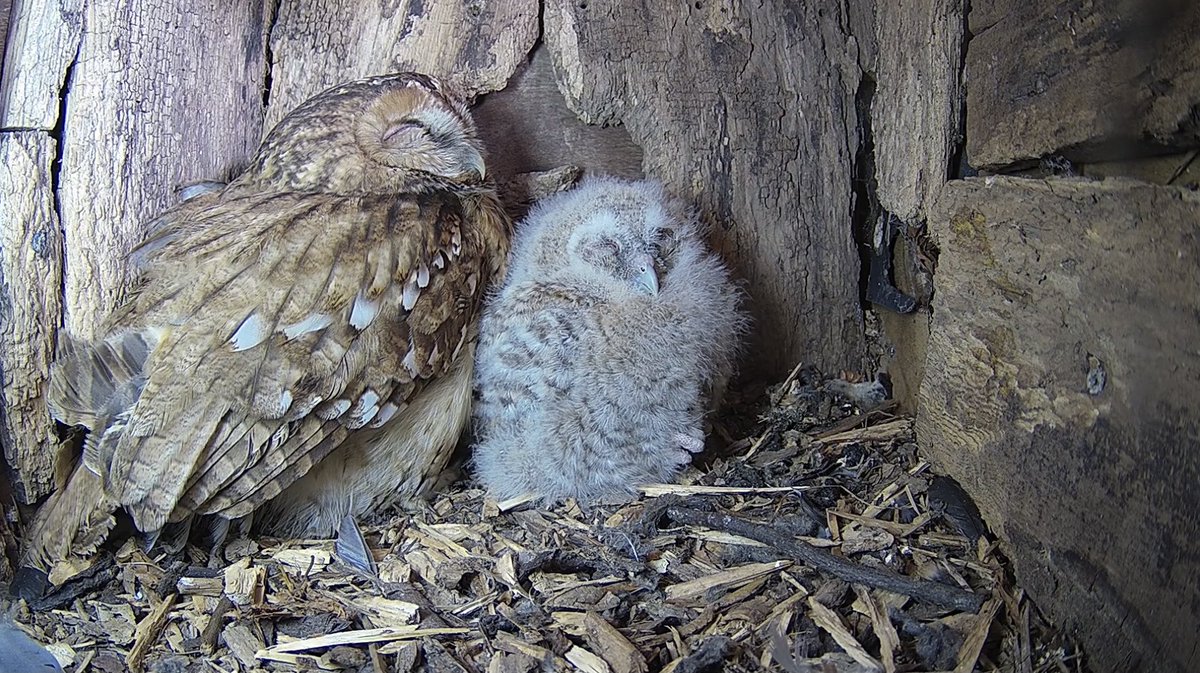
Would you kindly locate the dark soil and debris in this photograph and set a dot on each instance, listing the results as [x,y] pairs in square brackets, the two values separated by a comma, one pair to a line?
[713,574]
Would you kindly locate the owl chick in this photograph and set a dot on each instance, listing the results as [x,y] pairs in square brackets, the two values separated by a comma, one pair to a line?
[319,310]
[603,350]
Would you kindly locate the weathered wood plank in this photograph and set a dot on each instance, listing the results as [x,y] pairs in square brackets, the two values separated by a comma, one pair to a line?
[528,127]
[474,46]
[1090,80]
[5,13]
[748,108]
[41,43]
[1094,491]
[30,306]
[162,94]
[156,97]
[43,39]
[916,108]
[915,125]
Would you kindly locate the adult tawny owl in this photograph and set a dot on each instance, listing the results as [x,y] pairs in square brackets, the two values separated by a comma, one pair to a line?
[599,355]
[321,310]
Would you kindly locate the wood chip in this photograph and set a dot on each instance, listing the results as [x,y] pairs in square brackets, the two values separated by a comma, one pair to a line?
[871,433]
[586,661]
[885,631]
[860,539]
[829,621]
[244,643]
[303,561]
[513,503]
[148,631]
[510,643]
[968,654]
[357,637]
[118,621]
[387,612]
[615,648]
[723,580]
[200,586]
[244,583]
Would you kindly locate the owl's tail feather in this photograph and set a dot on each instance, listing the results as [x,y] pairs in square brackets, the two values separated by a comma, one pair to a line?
[75,520]
[93,385]
[96,385]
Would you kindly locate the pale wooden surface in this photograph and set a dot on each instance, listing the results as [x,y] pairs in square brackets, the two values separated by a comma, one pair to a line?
[916,108]
[30,304]
[1095,495]
[473,46]
[43,39]
[749,110]
[5,11]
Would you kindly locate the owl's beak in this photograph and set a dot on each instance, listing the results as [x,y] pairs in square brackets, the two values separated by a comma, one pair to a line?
[646,278]
[475,162]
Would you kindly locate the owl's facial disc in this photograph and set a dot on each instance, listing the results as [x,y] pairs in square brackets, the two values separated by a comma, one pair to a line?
[602,242]
[625,263]
[423,132]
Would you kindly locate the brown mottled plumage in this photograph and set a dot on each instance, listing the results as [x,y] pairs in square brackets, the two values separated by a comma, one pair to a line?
[325,301]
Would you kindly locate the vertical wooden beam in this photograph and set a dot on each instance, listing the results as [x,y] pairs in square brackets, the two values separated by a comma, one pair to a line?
[42,40]
[104,109]
[915,122]
[30,305]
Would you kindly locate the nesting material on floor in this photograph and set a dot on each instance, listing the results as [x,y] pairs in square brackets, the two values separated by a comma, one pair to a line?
[820,541]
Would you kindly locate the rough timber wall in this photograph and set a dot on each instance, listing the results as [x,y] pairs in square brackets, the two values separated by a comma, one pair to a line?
[1062,390]
[105,109]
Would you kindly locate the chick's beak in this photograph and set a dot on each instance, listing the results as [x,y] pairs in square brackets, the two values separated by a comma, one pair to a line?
[646,278]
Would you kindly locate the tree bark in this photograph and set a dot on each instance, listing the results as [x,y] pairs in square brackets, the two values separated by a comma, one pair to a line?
[31,254]
[915,125]
[474,46]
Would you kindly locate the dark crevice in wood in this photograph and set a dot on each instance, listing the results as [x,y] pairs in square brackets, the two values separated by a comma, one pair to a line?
[272,9]
[959,166]
[865,185]
[59,134]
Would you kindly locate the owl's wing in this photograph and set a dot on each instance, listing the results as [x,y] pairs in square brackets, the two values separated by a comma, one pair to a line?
[279,324]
